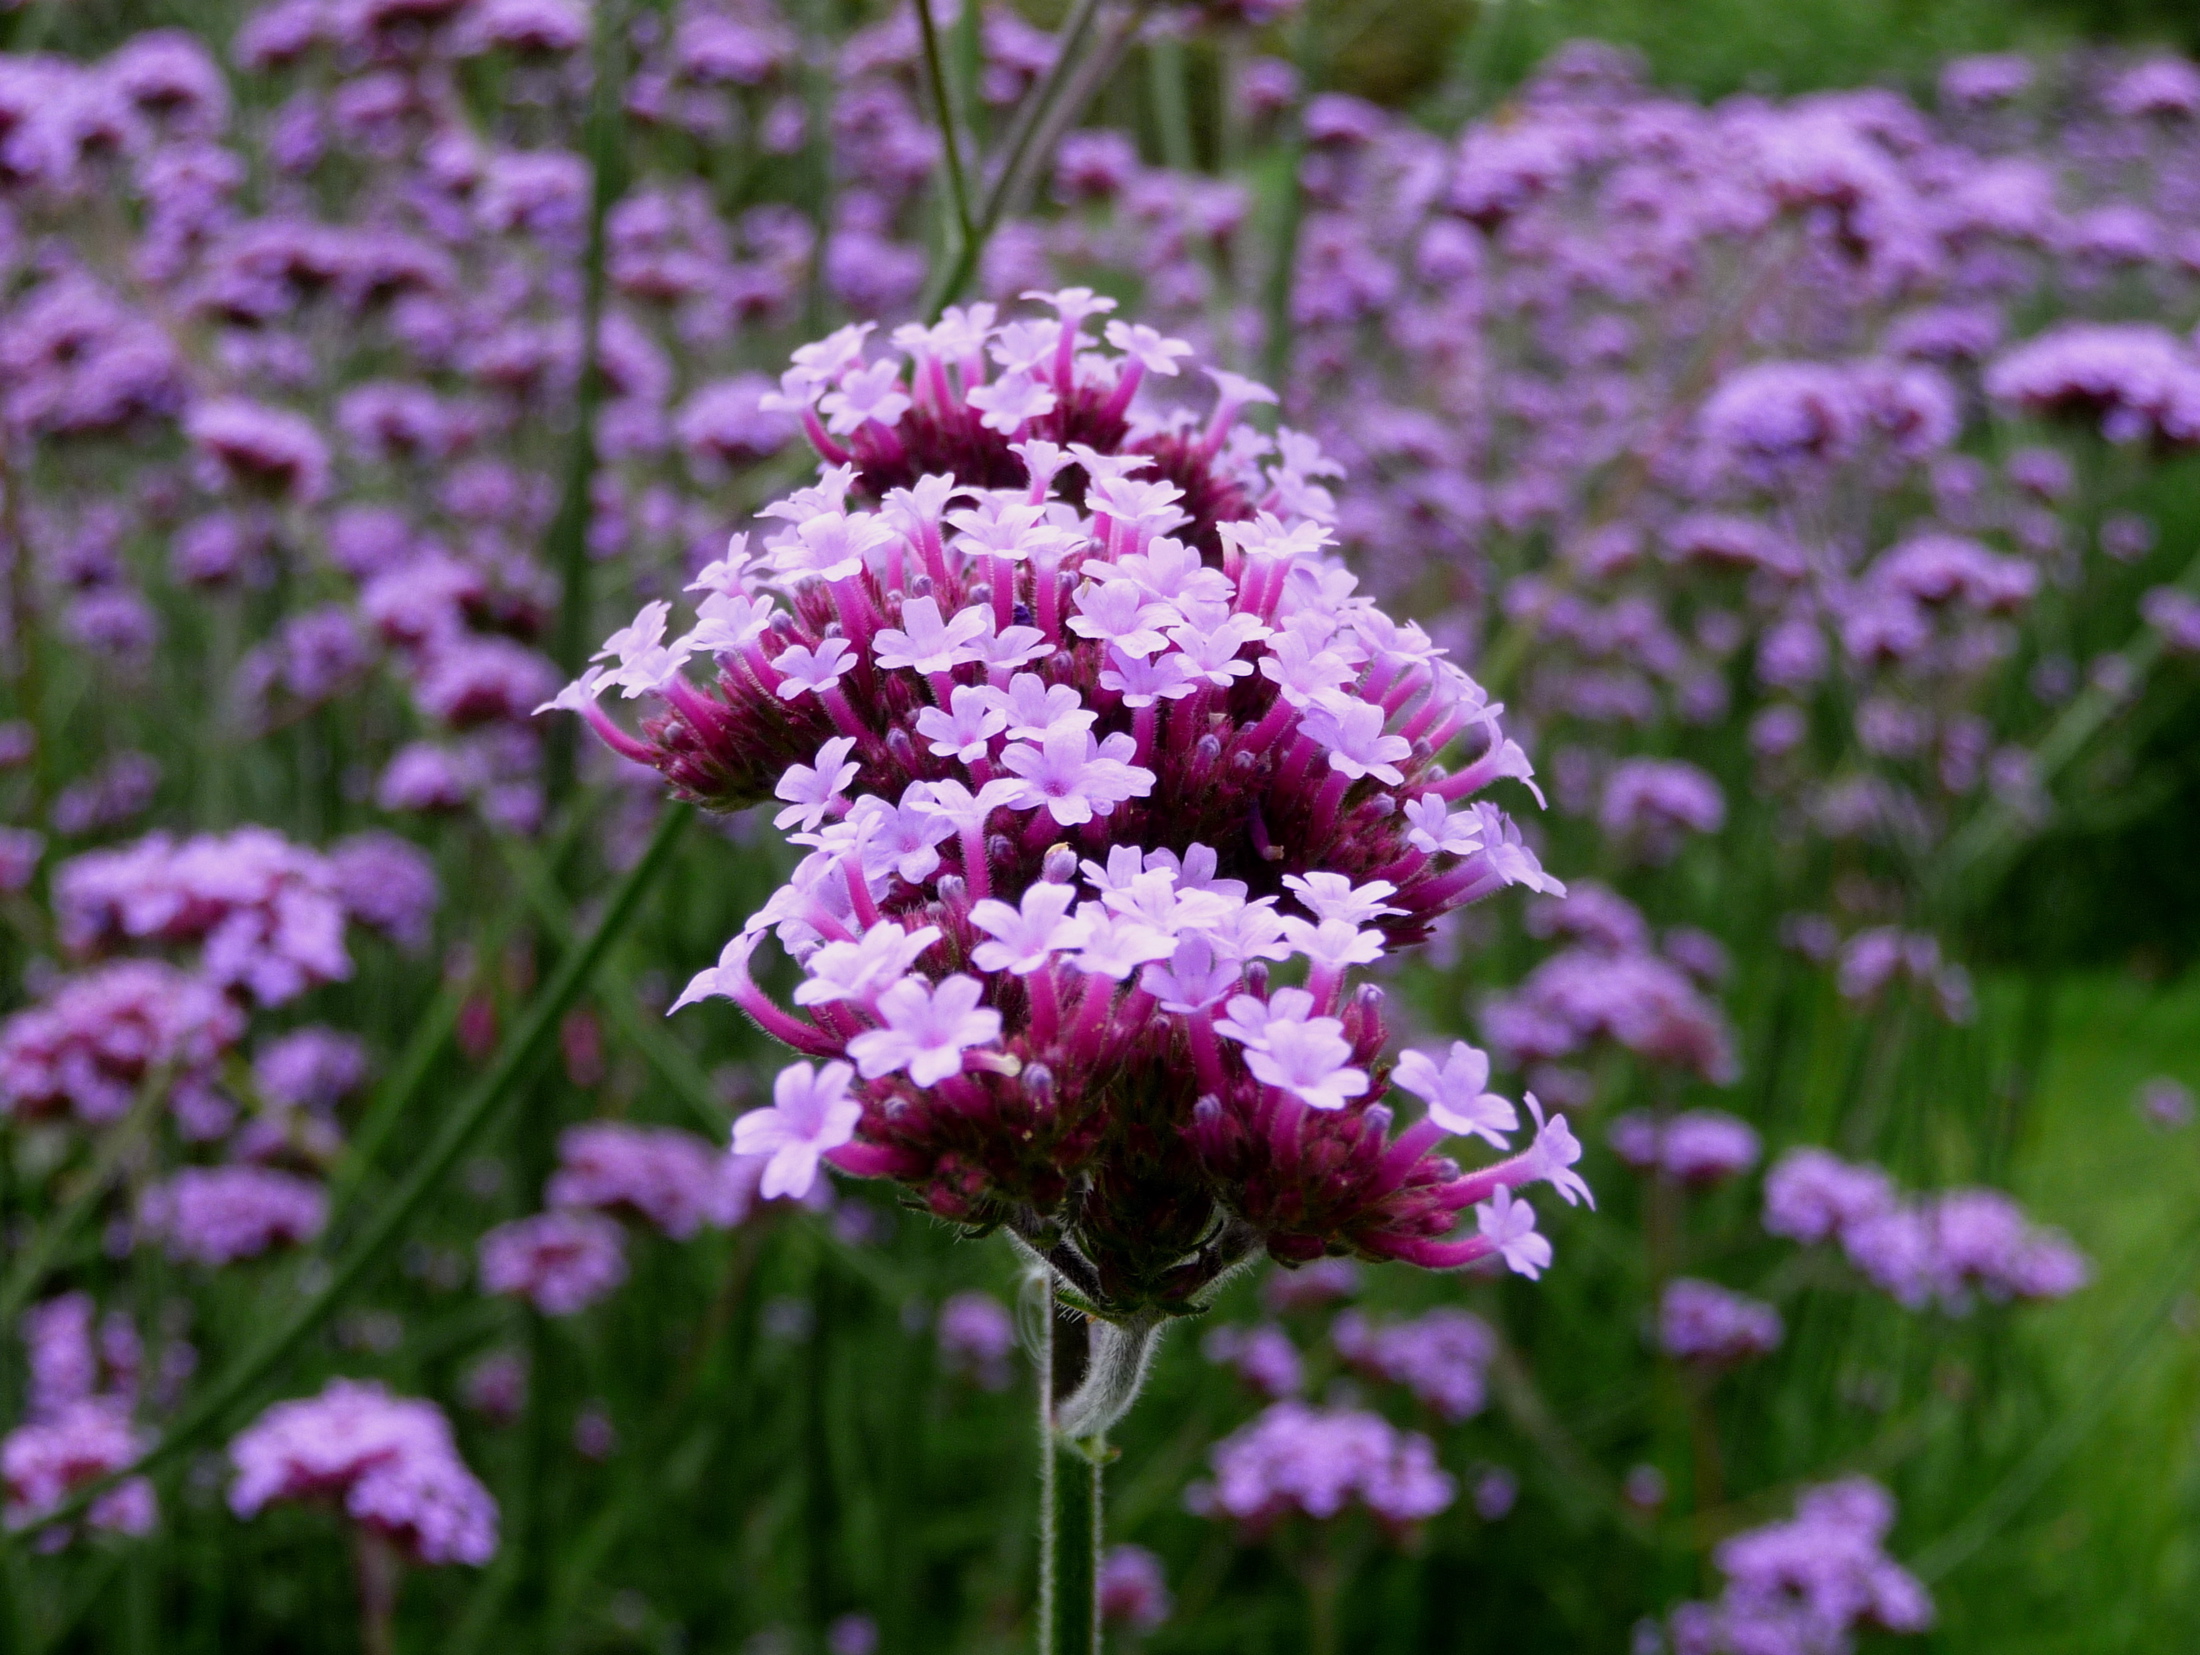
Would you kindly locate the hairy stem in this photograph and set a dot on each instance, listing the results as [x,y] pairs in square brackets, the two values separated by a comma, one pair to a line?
[1070,1489]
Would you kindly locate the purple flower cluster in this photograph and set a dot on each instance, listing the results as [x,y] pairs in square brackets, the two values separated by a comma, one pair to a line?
[667,1178]
[387,1462]
[1134,1589]
[90,1044]
[78,1426]
[46,1460]
[218,1215]
[1699,1147]
[1702,1323]
[1608,986]
[1263,1358]
[266,914]
[1091,651]
[1296,1459]
[977,1336]
[1442,1357]
[1947,1247]
[561,1261]
[1809,1585]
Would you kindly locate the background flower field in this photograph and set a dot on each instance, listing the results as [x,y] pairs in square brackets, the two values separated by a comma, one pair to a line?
[1634,574]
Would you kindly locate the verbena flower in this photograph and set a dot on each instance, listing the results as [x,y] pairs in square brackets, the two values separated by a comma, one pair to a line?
[219,1215]
[1703,1323]
[1701,1147]
[1134,1589]
[1946,1248]
[671,1179]
[977,1336]
[87,1047]
[1263,1357]
[1442,1357]
[1087,738]
[387,1462]
[561,1261]
[1810,1584]
[42,1463]
[1297,1460]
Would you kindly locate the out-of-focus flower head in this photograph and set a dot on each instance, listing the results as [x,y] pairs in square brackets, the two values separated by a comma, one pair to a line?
[387,1462]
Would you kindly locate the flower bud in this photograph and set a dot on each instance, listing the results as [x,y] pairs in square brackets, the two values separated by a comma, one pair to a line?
[1038,1085]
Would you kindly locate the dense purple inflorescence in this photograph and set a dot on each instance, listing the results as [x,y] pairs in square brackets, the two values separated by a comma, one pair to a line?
[1066,718]
[384,1461]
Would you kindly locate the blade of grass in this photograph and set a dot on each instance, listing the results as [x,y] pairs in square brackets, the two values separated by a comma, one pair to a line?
[1992,1514]
[32,1264]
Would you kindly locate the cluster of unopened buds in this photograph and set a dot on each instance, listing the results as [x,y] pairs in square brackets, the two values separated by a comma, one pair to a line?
[1088,740]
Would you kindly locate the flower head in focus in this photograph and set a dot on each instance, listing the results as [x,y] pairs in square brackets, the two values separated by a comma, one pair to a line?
[1089,741]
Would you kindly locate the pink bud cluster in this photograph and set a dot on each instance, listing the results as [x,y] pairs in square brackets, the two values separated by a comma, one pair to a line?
[387,1462]
[1087,738]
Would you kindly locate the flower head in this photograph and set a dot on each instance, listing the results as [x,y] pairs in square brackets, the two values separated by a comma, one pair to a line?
[1084,729]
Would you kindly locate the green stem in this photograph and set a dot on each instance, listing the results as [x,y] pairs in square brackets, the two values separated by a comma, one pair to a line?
[461,1127]
[1323,1581]
[1049,1474]
[943,106]
[1071,1528]
[2008,1497]
[33,1263]
[1077,1496]
[25,661]
[397,1091]
[1290,211]
[2000,829]
[952,276]
[674,1063]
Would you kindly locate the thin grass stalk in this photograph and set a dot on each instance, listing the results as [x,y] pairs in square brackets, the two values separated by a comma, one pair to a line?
[1283,251]
[430,1031]
[1963,1542]
[1092,74]
[461,1128]
[2000,829]
[36,1259]
[25,661]
[674,1063]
